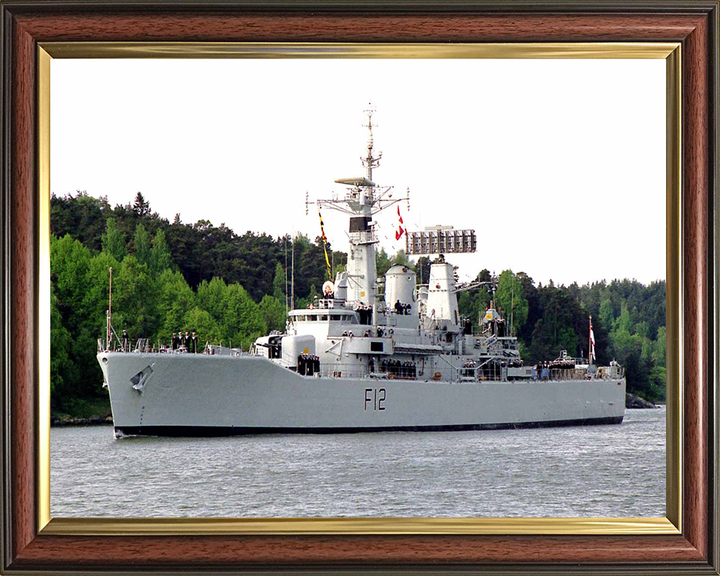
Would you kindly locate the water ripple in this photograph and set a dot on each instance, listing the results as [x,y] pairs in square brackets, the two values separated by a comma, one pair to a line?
[569,472]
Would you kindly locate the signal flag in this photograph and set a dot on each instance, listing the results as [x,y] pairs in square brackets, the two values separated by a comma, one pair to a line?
[400,231]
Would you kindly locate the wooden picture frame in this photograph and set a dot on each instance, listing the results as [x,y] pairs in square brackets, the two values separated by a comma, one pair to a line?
[688,542]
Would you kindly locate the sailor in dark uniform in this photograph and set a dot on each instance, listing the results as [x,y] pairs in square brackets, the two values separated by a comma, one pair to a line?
[186,340]
[125,342]
[193,343]
[174,341]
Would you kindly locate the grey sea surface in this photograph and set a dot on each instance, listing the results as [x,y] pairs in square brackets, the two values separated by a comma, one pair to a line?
[609,471]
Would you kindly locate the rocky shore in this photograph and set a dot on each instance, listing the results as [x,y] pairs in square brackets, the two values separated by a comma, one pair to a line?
[632,401]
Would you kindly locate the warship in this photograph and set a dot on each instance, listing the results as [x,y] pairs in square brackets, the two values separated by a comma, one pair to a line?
[370,354]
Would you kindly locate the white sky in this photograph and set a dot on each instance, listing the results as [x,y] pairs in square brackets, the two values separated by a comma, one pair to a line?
[559,165]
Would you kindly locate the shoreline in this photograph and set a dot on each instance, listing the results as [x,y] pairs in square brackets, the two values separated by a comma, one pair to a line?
[59,422]
[633,401]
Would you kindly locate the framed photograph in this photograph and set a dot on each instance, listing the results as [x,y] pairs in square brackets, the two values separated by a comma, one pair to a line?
[200,146]
[683,35]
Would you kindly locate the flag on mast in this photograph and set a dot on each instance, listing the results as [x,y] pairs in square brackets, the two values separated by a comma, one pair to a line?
[324,239]
[400,231]
[592,342]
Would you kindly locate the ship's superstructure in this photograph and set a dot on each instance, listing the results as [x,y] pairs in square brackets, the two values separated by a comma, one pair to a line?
[369,354]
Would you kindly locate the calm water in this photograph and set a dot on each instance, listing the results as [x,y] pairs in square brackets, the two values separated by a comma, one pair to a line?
[577,471]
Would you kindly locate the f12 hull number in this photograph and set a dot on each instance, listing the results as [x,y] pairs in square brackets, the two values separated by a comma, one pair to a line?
[375,399]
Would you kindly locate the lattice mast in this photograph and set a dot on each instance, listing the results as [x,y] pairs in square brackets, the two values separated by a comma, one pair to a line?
[363,199]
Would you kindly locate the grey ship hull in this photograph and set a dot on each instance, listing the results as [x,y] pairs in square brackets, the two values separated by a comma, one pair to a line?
[201,395]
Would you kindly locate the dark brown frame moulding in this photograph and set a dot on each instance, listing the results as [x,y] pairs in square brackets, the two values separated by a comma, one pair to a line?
[27,24]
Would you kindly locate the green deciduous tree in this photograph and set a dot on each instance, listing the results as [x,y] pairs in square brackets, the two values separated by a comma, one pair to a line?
[69,263]
[113,241]
[97,295]
[473,303]
[176,300]
[658,379]
[400,258]
[73,325]
[160,258]
[273,311]
[59,345]
[279,283]
[154,293]
[509,296]
[624,321]
[211,297]
[382,262]
[607,314]
[141,243]
[660,347]
[136,295]
[563,325]
[422,269]
[207,330]
[242,318]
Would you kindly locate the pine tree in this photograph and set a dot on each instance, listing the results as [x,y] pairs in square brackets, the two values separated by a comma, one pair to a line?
[141,207]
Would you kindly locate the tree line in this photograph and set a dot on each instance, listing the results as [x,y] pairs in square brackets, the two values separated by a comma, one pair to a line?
[628,320]
[230,288]
[166,277]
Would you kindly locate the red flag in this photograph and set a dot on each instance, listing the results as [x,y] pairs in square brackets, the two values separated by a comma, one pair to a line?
[400,231]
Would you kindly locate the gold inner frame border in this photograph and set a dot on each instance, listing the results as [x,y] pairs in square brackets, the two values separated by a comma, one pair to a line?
[670,524]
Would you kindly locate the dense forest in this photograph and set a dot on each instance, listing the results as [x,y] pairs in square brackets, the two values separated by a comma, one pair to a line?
[230,288]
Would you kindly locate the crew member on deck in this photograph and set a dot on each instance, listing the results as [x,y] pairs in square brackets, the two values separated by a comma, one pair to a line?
[174,341]
[125,342]
[467,329]
[193,343]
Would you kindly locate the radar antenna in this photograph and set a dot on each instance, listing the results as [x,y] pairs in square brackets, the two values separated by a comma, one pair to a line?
[363,196]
